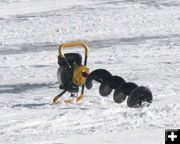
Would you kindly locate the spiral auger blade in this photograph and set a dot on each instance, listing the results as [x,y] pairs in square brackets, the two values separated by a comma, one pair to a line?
[139,96]
[98,75]
[135,95]
[123,91]
[108,85]
[116,81]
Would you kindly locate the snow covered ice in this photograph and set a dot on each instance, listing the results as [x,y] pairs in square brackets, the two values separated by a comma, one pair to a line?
[136,39]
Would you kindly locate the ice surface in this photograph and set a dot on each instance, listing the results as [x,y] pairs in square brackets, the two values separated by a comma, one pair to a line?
[136,39]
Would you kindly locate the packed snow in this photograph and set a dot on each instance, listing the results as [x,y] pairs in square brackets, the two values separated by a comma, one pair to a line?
[138,40]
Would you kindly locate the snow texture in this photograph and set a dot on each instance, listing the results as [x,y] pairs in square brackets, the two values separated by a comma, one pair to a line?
[138,40]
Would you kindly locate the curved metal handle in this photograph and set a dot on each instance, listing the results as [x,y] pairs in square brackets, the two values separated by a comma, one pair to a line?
[73,44]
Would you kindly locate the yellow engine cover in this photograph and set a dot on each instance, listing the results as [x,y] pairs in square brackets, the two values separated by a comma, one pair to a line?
[80,75]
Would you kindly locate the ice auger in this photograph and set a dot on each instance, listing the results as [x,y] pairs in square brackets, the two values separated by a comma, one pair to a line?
[72,74]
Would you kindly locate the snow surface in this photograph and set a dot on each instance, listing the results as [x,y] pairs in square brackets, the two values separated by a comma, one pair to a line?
[136,39]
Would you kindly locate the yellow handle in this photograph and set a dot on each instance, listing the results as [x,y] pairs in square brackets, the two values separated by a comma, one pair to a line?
[73,44]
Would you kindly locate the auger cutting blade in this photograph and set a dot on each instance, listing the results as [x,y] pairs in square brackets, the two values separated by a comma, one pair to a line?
[139,95]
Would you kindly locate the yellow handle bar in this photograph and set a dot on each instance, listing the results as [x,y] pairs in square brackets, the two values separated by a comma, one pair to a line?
[73,44]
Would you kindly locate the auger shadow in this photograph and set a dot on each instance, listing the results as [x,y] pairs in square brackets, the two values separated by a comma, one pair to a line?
[32,48]
[23,87]
[31,105]
[27,48]
[128,41]
[149,3]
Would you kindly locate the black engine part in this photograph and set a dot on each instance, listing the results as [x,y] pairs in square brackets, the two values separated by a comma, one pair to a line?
[65,74]
[71,58]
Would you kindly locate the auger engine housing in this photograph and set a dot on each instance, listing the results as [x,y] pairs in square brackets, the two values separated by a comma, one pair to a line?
[71,79]
[72,73]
